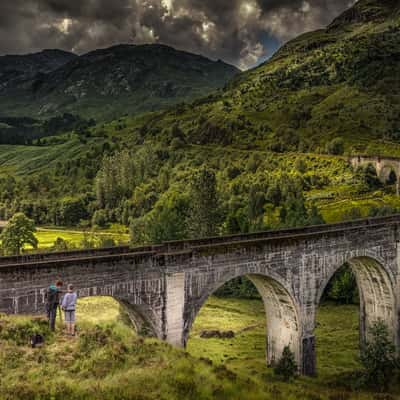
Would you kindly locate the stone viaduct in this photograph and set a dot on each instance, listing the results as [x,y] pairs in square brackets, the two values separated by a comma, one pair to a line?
[164,286]
[387,168]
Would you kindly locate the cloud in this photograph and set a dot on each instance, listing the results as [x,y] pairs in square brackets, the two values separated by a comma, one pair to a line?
[232,30]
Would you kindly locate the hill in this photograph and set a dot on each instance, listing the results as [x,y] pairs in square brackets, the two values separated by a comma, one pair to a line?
[275,139]
[15,70]
[341,81]
[108,83]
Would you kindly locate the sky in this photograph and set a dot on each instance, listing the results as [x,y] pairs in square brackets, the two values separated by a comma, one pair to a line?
[240,32]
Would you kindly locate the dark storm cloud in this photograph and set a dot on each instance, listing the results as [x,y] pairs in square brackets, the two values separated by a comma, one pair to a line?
[229,29]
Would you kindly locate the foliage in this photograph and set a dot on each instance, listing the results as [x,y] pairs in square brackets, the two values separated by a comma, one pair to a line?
[342,288]
[368,177]
[204,211]
[378,356]
[335,147]
[286,367]
[21,330]
[60,244]
[18,232]
[239,288]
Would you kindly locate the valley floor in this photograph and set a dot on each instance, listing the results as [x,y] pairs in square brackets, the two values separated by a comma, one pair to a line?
[109,361]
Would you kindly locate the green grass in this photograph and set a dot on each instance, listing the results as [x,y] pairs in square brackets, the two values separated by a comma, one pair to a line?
[47,236]
[26,160]
[109,361]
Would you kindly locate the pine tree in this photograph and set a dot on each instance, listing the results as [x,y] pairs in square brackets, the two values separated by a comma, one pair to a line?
[286,366]
[204,212]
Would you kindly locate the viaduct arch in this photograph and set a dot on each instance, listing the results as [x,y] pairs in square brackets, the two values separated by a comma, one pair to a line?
[385,167]
[166,285]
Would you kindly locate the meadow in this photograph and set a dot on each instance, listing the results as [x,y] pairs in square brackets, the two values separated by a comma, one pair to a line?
[74,237]
[107,360]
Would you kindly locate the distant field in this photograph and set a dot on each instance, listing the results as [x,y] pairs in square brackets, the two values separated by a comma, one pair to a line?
[26,160]
[47,237]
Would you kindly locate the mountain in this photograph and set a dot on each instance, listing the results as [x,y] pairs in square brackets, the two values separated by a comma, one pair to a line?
[124,79]
[271,136]
[342,81]
[17,71]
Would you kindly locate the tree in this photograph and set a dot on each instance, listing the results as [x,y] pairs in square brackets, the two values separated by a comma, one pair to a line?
[100,218]
[71,211]
[60,244]
[204,213]
[286,366]
[18,232]
[368,176]
[256,203]
[379,356]
[165,224]
[343,287]
[335,147]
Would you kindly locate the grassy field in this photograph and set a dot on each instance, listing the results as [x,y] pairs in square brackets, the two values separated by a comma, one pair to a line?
[47,237]
[109,361]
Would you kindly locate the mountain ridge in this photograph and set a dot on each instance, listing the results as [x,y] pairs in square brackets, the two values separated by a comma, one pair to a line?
[324,84]
[122,79]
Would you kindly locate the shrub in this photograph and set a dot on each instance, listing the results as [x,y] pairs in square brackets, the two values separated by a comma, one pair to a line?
[100,218]
[379,356]
[286,367]
[20,332]
[60,244]
[335,147]
[106,241]
[343,287]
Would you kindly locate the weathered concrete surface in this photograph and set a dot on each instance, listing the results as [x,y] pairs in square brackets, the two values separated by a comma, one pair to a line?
[165,286]
[383,166]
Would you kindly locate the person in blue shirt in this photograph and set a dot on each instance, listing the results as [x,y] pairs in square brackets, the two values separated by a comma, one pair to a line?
[52,302]
[68,305]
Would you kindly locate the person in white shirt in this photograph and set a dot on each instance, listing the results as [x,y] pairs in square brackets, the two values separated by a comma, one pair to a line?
[68,305]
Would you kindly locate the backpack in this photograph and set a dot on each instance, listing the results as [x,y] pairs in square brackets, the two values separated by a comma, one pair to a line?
[52,296]
[37,340]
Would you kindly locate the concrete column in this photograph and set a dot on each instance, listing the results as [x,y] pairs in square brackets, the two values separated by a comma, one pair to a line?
[282,320]
[377,297]
[174,306]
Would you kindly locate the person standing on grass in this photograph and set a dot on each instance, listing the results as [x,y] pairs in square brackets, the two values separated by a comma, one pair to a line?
[53,294]
[68,305]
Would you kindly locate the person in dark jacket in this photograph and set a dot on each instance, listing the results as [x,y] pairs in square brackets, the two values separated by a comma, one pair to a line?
[68,305]
[53,295]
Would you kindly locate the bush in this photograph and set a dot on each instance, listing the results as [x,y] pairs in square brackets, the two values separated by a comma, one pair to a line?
[379,357]
[343,287]
[106,241]
[60,244]
[369,178]
[20,332]
[100,218]
[286,367]
[335,147]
